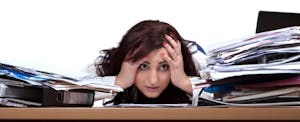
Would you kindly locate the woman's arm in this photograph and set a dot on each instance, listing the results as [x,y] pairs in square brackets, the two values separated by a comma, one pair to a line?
[175,61]
[126,76]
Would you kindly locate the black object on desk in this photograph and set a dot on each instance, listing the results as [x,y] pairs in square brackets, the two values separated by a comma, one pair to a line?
[271,20]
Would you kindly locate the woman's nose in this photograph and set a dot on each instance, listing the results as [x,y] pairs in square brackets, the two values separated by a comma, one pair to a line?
[153,77]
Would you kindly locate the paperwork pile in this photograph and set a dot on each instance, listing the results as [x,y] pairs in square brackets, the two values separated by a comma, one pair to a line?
[263,69]
[21,87]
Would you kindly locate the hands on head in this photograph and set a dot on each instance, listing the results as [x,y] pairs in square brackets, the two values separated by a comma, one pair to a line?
[154,76]
[175,60]
[154,57]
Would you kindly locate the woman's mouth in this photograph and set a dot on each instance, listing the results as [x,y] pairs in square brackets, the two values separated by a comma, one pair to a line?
[152,89]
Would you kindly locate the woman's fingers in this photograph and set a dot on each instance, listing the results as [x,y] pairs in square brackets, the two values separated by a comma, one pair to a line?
[174,49]
[170,50]
[167,58]
[175,44]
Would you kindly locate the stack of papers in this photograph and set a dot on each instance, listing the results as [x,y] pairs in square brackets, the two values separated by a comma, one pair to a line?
[22,75]
[270,52]
[23,87]
[263,69]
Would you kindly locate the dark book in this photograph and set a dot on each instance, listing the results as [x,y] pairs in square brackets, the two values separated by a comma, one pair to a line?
[47,96]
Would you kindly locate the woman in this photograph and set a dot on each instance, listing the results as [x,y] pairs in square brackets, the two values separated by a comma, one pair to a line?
[152,64]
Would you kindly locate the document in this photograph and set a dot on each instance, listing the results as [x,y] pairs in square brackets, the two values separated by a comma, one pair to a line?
[272,52]
[259,70]
[56,81]
[19,84]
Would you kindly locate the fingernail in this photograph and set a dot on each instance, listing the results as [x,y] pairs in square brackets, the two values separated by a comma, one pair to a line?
[162,53]
[167,36]
[164,43]
[147,55]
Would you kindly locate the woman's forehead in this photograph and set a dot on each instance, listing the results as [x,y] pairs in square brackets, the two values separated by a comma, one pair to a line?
[156,55]
[158,51]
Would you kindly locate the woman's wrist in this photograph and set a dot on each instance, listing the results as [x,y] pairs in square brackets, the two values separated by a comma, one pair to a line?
[122,83]
[185,84]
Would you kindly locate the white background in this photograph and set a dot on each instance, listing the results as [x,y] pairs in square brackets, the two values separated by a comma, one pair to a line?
[64,36]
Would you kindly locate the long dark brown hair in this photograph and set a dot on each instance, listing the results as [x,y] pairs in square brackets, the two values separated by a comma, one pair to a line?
[141,39]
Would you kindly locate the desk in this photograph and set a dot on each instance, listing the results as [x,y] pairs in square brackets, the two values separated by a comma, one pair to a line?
[190,113]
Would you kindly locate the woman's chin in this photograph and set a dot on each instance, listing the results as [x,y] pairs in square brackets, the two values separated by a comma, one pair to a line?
[152,95]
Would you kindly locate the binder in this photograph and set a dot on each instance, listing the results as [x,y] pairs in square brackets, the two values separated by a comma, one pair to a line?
[48,96]
[72,98]
[24,93]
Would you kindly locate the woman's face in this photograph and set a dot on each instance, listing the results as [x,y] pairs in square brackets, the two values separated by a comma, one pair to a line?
[153,75]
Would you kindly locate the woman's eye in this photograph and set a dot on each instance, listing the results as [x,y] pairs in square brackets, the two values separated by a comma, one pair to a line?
[164,67]
[143,67]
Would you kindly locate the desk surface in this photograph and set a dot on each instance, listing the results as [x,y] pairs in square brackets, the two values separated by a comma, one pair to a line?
[197,113]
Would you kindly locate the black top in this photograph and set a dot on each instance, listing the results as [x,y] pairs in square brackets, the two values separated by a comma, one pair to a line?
[171,95]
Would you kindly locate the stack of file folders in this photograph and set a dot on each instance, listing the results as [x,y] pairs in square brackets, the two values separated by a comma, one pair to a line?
[259,70]
[23,87]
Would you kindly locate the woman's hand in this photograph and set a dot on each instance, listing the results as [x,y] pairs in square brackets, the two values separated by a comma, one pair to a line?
[127,73]
[175,61]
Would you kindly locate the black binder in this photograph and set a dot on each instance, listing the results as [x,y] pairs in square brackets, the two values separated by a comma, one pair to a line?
[72,98]
[47,96]
[28,93]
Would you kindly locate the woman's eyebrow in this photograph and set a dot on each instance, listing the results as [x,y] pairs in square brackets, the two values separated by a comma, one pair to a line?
[162,62]
[146,62]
